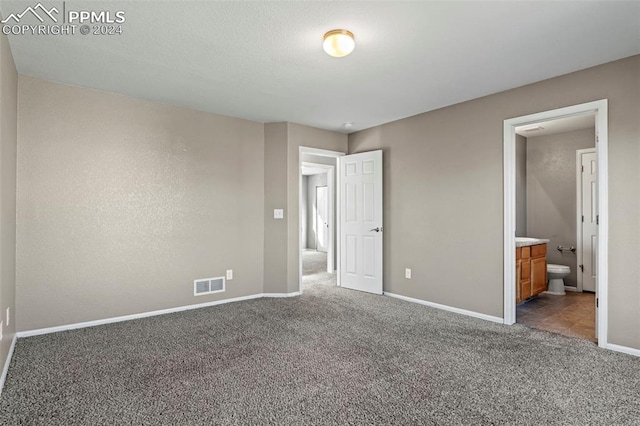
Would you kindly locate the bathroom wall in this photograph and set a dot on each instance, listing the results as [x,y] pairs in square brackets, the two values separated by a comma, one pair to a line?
[551,192]
[312,182]
[521,186]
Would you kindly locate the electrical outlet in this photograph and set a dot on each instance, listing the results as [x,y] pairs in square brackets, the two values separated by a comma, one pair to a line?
[407,273]
[8,316]
[278,213]
[229,274]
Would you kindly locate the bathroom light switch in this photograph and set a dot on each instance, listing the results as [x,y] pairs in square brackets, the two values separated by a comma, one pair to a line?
[407,273]
[278,213]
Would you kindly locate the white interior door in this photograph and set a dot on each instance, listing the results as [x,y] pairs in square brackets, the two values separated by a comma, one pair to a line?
[589,206]
[361,221]
[322,218]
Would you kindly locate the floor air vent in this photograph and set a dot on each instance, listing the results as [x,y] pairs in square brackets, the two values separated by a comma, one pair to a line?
[208,286]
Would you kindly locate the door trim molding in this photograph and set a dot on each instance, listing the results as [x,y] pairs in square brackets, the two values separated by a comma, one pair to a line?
[600,108]
[579,188]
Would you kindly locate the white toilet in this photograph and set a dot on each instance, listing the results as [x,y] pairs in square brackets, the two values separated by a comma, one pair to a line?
[555,275]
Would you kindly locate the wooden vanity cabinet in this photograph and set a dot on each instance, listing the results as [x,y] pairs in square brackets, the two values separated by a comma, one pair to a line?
[531,271]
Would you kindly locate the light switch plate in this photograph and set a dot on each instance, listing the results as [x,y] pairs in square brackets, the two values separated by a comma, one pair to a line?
[407,273]
[278,213]
[229,274]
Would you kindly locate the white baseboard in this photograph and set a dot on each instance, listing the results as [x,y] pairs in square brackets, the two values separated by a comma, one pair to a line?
[295,293]
[623,349]
[5,369]
[569,288]
[75,326]
[447,308]
[94,323]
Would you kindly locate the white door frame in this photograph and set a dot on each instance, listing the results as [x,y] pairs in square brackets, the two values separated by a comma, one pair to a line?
[509,178]
[333,214]
[579,194]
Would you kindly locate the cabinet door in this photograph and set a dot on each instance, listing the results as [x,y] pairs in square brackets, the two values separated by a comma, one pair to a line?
[539,250]
[538,275]
[525,289]
[518,267]
[525,269]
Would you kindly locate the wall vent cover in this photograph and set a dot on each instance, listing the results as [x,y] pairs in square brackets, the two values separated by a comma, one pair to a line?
[208,286]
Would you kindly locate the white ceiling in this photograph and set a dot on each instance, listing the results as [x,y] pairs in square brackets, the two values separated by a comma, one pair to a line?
[263,61]
[561,125]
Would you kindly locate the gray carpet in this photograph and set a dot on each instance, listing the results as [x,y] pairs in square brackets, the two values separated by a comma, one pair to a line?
[331,356]
[314,269]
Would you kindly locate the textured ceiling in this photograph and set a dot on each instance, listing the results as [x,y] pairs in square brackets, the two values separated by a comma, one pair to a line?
[263,61]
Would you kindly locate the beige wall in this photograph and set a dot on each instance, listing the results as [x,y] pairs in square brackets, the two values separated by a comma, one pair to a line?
[443,193]
[8,140]
[551,193]
[275,191]
[122,203]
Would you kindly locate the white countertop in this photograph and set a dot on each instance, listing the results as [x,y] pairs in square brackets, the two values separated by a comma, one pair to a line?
[527,241]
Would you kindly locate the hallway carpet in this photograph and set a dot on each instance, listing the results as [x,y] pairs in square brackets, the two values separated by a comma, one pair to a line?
[314,269]
[330,356]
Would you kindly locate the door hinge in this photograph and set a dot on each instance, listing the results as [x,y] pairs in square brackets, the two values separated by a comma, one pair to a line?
[581,268]
[583,218]
[597,302]
[582,169]
[597,219]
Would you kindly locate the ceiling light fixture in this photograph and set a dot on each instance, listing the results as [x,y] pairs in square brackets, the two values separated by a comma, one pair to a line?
[338,43]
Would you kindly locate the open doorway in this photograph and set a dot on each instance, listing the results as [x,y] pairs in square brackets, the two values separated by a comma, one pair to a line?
[552,259]
[318,230]
[318,244]
[535,267]
[355,242]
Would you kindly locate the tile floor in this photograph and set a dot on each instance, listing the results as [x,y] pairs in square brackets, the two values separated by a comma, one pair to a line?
[573,314]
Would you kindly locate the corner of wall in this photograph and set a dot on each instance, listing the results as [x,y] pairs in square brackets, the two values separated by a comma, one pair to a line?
[281,190]
[275,197]
[8,149]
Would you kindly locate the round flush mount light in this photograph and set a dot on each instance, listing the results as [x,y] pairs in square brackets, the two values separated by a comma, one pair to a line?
[338,43]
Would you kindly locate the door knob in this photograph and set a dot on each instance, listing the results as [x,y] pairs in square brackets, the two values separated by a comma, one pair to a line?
[377,229]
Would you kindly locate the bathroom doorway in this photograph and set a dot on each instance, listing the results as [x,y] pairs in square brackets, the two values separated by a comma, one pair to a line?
[550,189]
[560,207]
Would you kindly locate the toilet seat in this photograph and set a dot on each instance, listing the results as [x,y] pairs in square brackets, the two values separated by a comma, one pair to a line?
[558,269]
